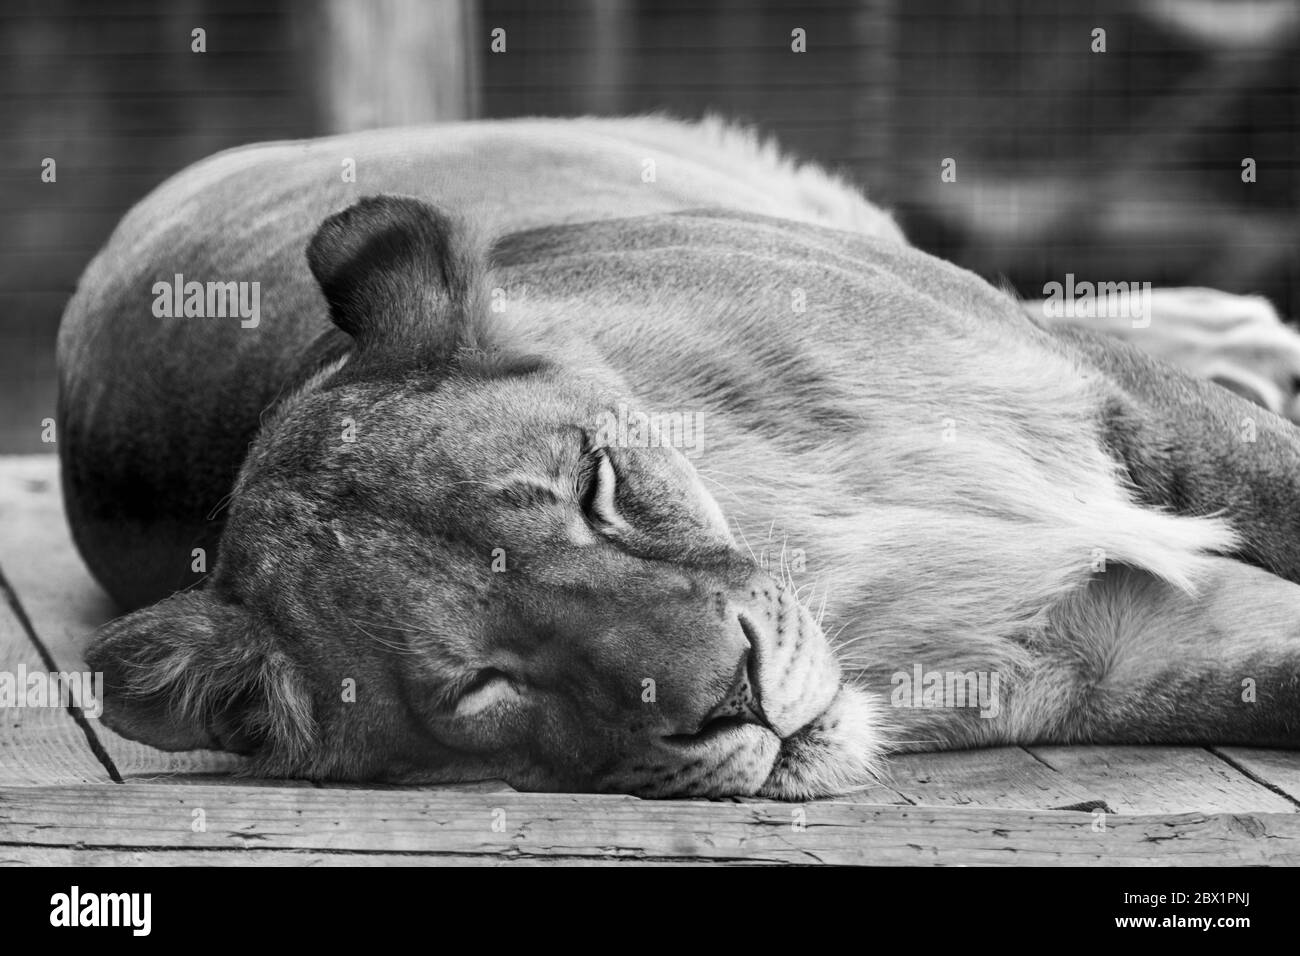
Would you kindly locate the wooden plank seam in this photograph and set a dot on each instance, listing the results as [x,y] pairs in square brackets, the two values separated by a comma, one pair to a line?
[97,748]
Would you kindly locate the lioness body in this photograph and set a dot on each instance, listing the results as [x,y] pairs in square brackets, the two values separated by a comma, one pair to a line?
[954,479]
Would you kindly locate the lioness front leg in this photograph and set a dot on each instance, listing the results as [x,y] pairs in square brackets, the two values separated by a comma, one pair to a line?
[1132,659]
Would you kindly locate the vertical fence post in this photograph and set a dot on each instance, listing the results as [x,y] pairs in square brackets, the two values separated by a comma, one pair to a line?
[395,62]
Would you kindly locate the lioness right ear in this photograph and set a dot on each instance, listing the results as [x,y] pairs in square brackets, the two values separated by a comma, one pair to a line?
[402,278]
[193,672]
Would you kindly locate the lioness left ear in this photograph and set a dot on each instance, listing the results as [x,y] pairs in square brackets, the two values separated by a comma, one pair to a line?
[402,278]
[195,672]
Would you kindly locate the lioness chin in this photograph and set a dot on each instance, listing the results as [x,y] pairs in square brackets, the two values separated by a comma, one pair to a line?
[522,468]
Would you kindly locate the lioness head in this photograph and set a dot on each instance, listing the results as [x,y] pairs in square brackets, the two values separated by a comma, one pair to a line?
[434,570]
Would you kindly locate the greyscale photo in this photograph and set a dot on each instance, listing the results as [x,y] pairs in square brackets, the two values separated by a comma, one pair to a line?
[458,432]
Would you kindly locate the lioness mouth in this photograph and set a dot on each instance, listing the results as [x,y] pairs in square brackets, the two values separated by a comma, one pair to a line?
[711,730]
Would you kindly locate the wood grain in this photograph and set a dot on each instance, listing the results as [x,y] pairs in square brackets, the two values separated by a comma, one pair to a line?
[1134,780]
[1279,769]
[545,826]
[15,856]
[63,602]
[1008,777]
[18,856]
[38,745]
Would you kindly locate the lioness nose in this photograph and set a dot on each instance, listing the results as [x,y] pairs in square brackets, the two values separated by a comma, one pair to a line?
[741,701]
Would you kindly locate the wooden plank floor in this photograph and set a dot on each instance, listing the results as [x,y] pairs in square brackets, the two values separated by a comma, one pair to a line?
[73,792]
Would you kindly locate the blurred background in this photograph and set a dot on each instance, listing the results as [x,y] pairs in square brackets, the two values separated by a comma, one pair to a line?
[1116,156]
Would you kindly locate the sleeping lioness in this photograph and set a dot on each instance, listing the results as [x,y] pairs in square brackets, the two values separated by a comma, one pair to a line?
[627,456]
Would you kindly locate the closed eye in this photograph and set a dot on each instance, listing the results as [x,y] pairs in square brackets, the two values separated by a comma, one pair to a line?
[486,689]
[597,483]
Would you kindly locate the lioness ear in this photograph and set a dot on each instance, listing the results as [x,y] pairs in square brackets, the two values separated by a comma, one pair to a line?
[402,278]
[193,672]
